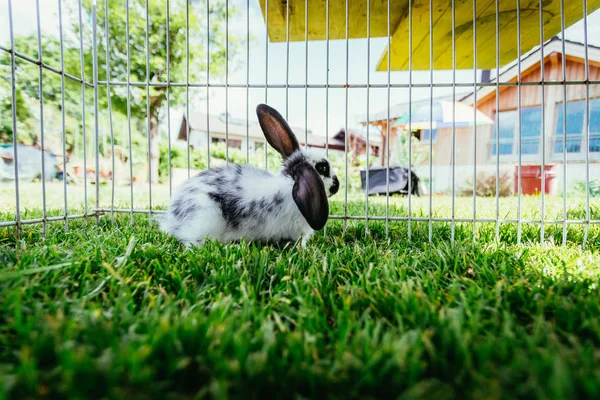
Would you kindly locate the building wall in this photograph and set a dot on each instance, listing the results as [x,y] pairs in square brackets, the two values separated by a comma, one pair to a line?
[509,100]
[463,175]
[198,140]
[532,96]
[442,147]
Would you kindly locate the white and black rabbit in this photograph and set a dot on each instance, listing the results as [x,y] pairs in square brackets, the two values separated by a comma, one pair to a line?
[237,202]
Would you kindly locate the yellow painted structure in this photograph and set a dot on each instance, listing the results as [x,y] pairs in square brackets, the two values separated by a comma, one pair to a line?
[400,21]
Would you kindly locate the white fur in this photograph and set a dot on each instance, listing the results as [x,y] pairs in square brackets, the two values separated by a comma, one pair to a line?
[209,223]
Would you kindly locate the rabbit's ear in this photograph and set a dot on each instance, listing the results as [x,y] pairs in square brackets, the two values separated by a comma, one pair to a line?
[310,196]
[276,130]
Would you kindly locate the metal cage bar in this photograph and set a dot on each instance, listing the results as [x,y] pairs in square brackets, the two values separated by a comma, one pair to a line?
[103,211]
[543,123]
[564,79]
[326,86]
[587,124]
[475,119]
[387,135]
[368,148]
[519,122]
[41,94]
[410,86]
[344,86]
[130,147]
[187,125]
[44,66]
[96,105]
[266,85]
[109,106]
[187,85]
[13,88]
[83,123]
[62,112]
[168,43]
[148,118]
[346,121]
[226,82]
[453,156]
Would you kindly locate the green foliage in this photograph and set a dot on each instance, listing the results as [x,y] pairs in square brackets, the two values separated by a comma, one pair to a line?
[158,40]
[27,74]
[419,153]
[25,118]
[28,94]
[485,185]
[581,187]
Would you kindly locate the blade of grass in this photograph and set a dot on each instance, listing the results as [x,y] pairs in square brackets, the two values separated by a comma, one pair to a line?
[30,271]
[120,261]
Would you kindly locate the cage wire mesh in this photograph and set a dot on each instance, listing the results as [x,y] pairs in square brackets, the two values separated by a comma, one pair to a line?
[499,119]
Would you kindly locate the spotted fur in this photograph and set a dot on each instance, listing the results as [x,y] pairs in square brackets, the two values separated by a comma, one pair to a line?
[242,202]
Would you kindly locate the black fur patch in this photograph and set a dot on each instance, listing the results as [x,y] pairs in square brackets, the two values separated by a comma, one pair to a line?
[323,169]
[293,164]
[227,192]
[278,199]
[335,187]
[235,211]
[230,207]
[183,209]
[193,190]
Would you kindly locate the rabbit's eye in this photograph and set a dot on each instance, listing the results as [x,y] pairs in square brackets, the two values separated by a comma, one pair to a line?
[322,168]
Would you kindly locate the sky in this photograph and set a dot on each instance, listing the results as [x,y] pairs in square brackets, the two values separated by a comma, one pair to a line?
[299,108]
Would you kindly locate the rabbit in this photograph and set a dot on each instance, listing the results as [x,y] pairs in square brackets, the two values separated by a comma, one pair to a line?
[239,201]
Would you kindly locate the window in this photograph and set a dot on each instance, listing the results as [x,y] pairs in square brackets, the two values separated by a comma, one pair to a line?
[575,124]
[426,134]
[531,127]
[594,140]
[506,126]
[508,131]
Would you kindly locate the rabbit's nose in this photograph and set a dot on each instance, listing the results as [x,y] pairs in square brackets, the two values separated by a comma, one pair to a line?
[335,187]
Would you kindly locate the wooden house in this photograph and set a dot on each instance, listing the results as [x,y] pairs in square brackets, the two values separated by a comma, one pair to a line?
[528,119]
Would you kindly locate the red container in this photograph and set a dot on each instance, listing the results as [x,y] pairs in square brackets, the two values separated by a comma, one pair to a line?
[531,179]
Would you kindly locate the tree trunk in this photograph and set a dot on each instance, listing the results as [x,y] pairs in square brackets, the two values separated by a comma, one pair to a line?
[155,104]
[154,149]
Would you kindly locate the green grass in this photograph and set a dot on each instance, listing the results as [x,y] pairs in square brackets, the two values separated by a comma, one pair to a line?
[119,310]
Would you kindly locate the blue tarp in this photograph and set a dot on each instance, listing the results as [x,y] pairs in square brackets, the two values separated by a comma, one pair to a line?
[30,163]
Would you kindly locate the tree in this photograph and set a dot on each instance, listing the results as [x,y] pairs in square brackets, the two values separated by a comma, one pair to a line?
[27,89]
[24,116]
[159,41]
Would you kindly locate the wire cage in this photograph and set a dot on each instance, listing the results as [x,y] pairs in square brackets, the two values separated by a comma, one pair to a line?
[497,118]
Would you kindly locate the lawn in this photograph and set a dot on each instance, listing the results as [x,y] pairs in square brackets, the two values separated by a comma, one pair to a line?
[119,310]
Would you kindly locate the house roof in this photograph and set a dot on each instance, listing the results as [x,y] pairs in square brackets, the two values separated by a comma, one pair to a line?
[575,51]
[361,134]
[238,128]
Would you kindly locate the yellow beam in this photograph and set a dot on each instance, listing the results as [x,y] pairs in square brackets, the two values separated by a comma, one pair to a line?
[357,17]
[442,27]
[485,31]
